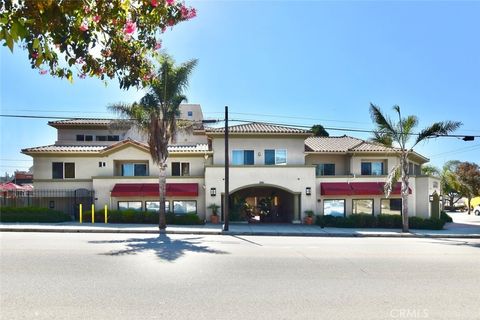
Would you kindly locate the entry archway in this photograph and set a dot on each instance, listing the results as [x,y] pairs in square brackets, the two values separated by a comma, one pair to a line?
[264,204]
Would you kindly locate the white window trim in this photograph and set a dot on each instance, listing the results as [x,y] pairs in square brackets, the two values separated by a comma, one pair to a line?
[275,157]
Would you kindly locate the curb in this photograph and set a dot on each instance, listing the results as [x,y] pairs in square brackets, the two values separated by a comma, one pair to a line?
[248,233]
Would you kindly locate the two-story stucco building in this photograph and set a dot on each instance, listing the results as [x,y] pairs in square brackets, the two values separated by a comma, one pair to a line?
[276,172]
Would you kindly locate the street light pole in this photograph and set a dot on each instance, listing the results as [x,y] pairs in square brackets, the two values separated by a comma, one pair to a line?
[226,201]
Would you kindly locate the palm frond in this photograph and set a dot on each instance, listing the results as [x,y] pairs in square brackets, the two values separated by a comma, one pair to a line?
[436,129]
[382,138]
[392,178]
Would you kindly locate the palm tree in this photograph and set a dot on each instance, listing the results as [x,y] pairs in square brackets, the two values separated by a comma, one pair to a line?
[400,133]
[155,115]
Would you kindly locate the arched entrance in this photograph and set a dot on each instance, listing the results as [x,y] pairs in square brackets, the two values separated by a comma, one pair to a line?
[265,204]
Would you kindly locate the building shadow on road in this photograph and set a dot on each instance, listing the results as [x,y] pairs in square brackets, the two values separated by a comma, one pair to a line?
[456,242]
[162,246]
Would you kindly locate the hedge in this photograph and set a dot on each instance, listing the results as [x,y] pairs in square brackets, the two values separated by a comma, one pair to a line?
[380,221]
[445,217]
[133,216]
[32,214]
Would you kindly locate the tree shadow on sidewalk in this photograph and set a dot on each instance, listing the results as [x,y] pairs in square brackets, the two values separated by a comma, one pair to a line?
[162,246]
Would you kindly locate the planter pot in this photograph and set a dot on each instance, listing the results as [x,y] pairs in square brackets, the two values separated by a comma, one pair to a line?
[308,220]
[214,219]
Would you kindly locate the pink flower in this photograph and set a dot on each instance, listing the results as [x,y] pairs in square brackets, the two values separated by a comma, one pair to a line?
[171,22]
[130,27]
[84,26]
[86,9]
[188,13]
[42,72]
[154,3]
[96,19]
[146,77]
[169,2]
[34,55]
[158,45]
[82,75]
[184,11]
[164,29]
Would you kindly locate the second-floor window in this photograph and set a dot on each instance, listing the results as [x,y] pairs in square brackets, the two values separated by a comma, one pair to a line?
[242,157]
[108,138]
[372,168]
[84,137]
[134,169]
[325,169]
[180,169]
[63,170]
[276,157]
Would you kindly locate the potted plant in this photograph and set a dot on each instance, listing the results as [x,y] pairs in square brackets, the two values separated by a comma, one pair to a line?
[309,217]
[214,218]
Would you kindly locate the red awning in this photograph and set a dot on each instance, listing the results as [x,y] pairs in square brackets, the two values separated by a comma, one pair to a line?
[357,188]
[335,188]
[151,190]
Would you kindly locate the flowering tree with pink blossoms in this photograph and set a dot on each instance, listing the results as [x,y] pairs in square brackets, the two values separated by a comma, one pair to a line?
[94,38]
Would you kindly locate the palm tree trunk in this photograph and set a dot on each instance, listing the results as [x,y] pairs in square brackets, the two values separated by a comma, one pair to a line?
[404,165]
[162,188]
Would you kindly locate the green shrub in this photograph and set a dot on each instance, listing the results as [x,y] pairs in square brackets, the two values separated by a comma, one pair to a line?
[430,224]
[135,216]
[32,214]
[389,221]
[445,217]
[380,221]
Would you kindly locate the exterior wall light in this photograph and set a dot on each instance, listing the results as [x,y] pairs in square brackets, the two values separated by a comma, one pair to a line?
[308,191]
[430,198]
[213,192]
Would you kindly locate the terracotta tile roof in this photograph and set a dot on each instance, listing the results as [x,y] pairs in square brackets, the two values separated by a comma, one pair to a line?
[201,147]
[331,144]
[61,148]
[258,127]
[343,144]
[371,146]
[76,122]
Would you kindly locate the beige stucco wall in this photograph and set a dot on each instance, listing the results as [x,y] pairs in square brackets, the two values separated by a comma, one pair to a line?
[293,179]
[295,148]
[356,160]
[87,166]
[69,136]
[342,162]
[426,186]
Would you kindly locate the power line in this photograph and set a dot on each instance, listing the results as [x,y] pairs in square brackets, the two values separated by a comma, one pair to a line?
[234,120]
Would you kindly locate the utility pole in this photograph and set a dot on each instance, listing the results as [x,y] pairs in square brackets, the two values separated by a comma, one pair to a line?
[226,201]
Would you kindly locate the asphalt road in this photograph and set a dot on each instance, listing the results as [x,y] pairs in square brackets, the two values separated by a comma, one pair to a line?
[125,276]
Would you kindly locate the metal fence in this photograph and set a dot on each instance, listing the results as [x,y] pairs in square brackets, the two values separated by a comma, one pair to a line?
[62,200]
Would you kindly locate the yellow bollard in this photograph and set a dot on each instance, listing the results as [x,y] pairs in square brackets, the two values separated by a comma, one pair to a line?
[80,213]
[93,213]
[106,211]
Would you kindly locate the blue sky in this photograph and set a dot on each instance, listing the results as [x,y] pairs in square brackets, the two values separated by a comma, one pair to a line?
[289,62]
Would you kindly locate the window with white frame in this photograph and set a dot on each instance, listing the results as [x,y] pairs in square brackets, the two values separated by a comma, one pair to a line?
[391,206]
[134,169]
[362,206]
[63,170]
[155,206]
[325,169]
[242,157]
[130,205]
[372,168]
[180,169]
[334,207]
[184,207]
[275,156]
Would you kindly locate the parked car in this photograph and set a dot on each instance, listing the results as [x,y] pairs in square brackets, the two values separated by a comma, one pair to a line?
[476,210]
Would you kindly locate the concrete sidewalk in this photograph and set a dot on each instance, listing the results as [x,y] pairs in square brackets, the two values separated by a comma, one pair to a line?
[452,230]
